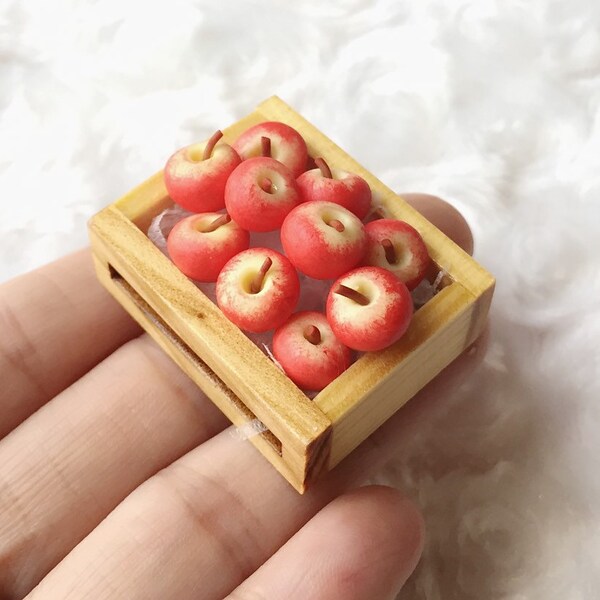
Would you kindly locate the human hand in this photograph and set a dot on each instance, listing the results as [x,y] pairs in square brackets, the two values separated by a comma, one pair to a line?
[125,483]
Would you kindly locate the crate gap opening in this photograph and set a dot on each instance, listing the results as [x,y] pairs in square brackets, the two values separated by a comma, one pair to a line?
[247,414]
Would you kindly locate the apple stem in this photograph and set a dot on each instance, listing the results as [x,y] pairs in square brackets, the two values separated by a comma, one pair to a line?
[266,185]
[214,225]
[257,282]
[390,251]
[324,167]
[216,136]
[265,146]
[312,335]
[378,214]
[351,294]
[337,225]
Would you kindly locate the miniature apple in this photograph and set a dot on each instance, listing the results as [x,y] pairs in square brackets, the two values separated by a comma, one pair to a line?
[396,246]
[286,145]
[195,176]
[323,239]
[258,289]
[200,245]
[308,352]
[346,189]
[369,308]
[260,193]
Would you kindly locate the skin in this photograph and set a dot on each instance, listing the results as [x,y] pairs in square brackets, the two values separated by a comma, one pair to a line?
[125,484]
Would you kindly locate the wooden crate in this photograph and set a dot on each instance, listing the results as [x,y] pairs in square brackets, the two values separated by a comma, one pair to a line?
[305,437]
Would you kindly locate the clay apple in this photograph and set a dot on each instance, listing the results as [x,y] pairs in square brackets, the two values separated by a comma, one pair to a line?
[369,309]
[346,189]
[396,246]
[258,289]
[260,193]
[308,352]
[200,245]
[285,145]
[195,176]
[323,239]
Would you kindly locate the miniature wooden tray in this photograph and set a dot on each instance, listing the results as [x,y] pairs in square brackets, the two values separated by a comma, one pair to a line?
[305,437]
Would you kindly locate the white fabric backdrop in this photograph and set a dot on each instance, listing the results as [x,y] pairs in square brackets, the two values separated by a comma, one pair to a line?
[493,105]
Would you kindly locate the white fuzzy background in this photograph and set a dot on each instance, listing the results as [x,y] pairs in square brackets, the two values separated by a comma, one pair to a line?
[494,105]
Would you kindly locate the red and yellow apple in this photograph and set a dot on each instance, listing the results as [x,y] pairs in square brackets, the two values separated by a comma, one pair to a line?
[200,245]
[258,289]
[369,309]
[309,352]
[260,193]
[195,176]
[398,247]
[334,185]
[323,239]
[285,145]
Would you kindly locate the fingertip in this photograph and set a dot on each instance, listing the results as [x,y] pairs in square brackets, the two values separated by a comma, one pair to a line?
[363,544]
[381,532]
[444,216]
[400,526]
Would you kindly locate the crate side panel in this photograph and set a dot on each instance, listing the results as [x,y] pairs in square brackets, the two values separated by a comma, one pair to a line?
[368,371]
[387,380]
[145,201]
[231,406]
[480,313]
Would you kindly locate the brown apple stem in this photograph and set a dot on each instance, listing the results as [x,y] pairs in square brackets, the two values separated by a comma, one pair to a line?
[337,225]
[390,251]
[351,294]
[216,136]
[259,279]
[266,185]
[325,170]
[378,214]
[214,225]
[265,146]
[312,335]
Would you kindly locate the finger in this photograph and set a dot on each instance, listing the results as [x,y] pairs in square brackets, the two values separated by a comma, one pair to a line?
[363,545]
[71,463]
[445,217]
[209,520]
[56,323]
